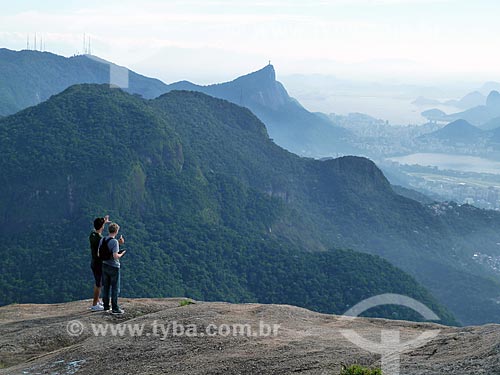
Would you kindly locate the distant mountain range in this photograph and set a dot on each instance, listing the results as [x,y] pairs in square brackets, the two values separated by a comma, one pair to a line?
[461,134]
[470,100]
[459,131]
[480,115]
[30,77]
[287,122]
[473,99]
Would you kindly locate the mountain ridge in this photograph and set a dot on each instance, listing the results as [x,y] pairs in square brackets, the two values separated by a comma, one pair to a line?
[456,131]
[288,122]
[204,197]
[30,82]
[206,163]
[477,116]
[31,77]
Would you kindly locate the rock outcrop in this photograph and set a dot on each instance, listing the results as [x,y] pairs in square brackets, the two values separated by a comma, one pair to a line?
[35,339]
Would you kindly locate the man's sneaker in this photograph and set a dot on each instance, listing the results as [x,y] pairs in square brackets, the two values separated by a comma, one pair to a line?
[118,312]
[100,303]
[97,308]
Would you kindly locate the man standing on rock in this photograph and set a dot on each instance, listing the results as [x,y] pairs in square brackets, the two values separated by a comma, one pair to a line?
[96,264]
[111,269]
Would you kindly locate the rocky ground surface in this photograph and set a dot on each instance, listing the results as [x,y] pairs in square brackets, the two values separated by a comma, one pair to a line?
[34,339]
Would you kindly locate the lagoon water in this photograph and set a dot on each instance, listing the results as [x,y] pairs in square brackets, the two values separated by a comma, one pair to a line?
[449,161]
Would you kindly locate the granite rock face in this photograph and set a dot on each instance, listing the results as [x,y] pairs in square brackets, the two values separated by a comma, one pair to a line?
[222,338]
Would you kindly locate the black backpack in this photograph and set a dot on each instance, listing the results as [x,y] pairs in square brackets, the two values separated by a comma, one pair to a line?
[103,252]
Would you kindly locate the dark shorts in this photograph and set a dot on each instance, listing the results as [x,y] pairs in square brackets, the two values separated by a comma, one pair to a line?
[96,267]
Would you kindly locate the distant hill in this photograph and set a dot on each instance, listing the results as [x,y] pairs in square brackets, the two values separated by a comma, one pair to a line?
[459,131]
[461,136]
[481,114]
[470,100]
[434,114]
[288,123]
[493,100]
[30,77]
[478,115]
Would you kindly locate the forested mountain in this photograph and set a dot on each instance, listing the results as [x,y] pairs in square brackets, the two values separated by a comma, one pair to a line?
[210,207]
[30,77]
[288,123]
[349,214]
[213,209]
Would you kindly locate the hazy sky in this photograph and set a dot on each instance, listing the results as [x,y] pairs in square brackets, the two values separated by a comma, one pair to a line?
[207,41]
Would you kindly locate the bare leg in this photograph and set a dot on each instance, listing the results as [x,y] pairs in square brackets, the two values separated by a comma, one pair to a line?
[97,292]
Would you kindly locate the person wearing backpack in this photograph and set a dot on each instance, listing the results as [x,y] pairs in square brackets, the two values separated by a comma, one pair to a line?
[96,264]
[110,254]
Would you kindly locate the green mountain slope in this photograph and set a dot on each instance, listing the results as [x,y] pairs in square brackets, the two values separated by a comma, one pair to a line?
[288,123]
[28,78]
[349,203]
[210,207]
